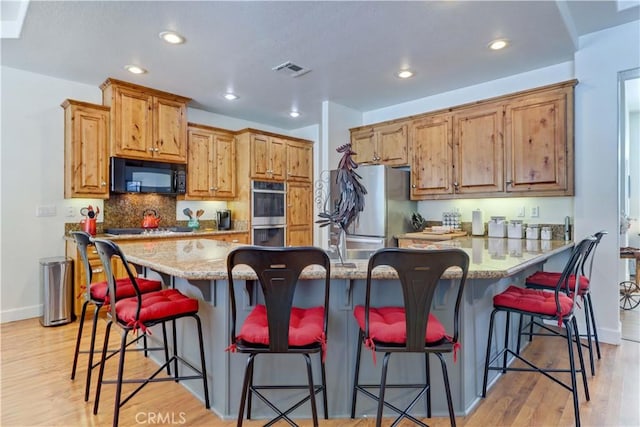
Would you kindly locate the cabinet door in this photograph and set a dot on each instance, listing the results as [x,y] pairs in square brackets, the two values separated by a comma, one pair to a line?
[278,157]
[86,151]
[224,166]
[538,143]
[170,130]
[260,156]
[392,144]
[478,150]
[132,124]
[363,143]
[200,163]
[299,214]
[299,161]
[431,166]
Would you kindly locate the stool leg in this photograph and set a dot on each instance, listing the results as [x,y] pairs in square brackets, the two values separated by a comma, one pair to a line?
[78,339]
[245,388]
[203,365]
[576,408]
[506,343]
[593,323]
[116,406]
[447,387]
[92,345]
[312,391]
[324,388]
[166,347]
[488,355]
[428,383]
[175,347]
[581,359]
[589,342]
[105,347]
[383,384]
[356,375]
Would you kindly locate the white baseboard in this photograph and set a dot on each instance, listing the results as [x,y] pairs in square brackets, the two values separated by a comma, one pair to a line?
[610,336]
[21,313]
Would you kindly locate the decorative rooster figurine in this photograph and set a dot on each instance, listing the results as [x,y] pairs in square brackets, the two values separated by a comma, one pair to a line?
[352,192]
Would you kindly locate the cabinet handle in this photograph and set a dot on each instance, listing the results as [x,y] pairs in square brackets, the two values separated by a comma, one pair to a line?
[509,182]
[151,149]
[156,149]
[95,251]
[213,189]
[234,241]
[97,270]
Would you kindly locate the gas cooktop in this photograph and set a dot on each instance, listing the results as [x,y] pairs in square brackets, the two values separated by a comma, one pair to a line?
[151,231]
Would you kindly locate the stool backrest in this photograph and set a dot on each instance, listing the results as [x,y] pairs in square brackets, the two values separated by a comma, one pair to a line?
[278,270]
[419,272]
[107,250]
[83,241]
[590,255]
[573,271]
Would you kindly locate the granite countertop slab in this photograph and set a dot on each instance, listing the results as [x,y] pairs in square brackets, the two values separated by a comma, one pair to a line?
[164,235]
[205,259]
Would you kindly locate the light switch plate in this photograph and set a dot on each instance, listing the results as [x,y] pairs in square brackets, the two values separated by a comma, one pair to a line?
[46,210]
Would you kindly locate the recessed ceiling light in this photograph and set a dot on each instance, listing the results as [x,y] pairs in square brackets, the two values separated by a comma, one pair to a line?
[405,74]
[498,44]
[134,69]
[230,96]
[294,114]
[171,37]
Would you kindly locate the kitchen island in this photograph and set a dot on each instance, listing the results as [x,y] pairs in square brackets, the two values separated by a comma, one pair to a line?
[197,267]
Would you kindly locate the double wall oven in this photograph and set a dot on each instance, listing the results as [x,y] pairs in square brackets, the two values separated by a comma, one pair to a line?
[268,207]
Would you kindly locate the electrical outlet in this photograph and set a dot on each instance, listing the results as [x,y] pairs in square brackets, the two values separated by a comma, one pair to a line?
[535,212]
[46,210]
[71,212]
[521,212]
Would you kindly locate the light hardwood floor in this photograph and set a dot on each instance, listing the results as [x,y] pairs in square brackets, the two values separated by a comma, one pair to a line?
[36,389]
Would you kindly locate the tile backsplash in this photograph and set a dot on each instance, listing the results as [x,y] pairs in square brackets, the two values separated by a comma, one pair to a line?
[127,210]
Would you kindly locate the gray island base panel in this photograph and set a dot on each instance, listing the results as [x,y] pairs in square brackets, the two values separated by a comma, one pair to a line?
[197,267]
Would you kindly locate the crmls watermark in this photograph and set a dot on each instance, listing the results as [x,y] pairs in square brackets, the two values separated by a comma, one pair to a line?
[161,418]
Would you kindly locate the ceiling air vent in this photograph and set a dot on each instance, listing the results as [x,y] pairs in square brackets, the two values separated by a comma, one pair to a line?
[292,69]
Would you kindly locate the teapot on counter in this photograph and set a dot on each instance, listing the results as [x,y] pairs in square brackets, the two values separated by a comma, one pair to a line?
[150,219]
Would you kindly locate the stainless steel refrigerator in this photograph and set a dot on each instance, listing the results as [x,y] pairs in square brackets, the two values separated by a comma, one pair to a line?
[387,209]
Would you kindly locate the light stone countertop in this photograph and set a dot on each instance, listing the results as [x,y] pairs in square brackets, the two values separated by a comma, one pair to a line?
[205,259]
[211,233]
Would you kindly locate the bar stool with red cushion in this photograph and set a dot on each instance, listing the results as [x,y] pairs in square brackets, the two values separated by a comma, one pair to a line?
[97,295]
[410,328]
[557,306]
[141,312]
[278,326]
[548,280]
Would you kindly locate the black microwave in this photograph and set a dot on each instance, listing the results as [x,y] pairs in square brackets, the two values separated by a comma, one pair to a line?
[143,176]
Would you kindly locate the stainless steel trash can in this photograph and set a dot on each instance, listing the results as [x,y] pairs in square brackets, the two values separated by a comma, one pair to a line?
[56,286]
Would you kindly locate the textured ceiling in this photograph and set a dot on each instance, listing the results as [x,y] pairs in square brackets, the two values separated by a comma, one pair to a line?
[352,48]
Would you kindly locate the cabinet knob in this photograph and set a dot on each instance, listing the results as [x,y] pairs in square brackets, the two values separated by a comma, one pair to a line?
[509,182]
[97,270]
[103,184]
[151,149]
[413,186]
[156,149]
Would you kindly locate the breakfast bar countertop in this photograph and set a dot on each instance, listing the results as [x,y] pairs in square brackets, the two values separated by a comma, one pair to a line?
[205,259]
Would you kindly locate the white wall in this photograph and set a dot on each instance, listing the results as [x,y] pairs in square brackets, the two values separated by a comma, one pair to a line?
[31,174]
[600,57]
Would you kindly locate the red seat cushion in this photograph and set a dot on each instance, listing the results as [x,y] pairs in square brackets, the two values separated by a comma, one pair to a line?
[387,324]
[549,279]
[155,306]
[305,326]
[533,301]
[124,288]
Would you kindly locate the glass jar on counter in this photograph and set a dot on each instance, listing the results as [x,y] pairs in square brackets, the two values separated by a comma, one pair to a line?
[545,233]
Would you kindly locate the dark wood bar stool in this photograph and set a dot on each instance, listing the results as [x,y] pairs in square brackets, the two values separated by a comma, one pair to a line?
[549,279]
[411,328]
[278,326]
[140,313]
[557,306]
[97,294]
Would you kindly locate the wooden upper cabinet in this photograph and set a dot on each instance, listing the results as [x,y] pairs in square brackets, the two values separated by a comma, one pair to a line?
[86,150]
[384,144]
[299,214]
[211,172]
[299,161]
[539,143]
[146,124]
[478,154]
[268,157]
[432,162]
